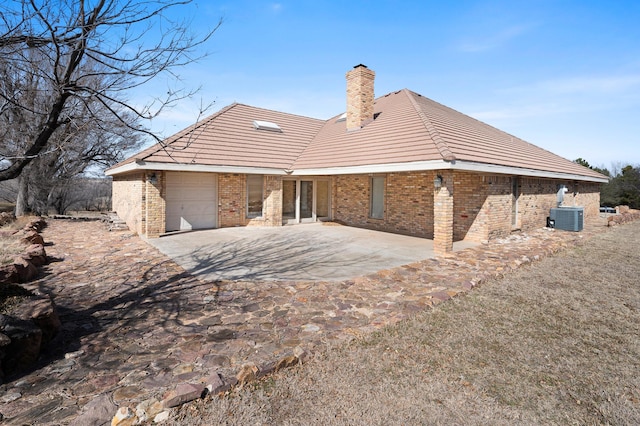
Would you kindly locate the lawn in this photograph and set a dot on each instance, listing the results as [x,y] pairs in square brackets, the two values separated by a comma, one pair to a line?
[557,342]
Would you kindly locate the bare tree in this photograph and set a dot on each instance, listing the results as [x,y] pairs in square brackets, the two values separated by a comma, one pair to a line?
[67,63]
[47,180]
[9,191]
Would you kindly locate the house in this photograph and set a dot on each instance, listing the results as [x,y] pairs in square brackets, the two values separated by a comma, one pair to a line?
[400,163]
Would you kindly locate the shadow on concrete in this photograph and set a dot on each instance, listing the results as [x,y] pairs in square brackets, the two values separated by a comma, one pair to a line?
[305,252]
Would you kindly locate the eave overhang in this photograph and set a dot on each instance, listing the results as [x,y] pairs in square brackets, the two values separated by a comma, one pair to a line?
[413,166]
[140,165]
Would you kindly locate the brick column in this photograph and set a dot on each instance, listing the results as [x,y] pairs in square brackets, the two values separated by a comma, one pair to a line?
[155,211]
[443,215]
[272,201]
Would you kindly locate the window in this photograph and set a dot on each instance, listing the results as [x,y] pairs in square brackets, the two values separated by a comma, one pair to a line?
[376,210]
[254,196]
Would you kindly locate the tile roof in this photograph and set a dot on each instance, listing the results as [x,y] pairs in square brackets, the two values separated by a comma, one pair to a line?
[408,127]
[229,138]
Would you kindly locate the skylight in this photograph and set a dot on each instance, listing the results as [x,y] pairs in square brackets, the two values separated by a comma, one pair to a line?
[343,117]
[266,125]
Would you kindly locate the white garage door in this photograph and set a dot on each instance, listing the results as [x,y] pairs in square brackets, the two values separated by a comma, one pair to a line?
[192,201]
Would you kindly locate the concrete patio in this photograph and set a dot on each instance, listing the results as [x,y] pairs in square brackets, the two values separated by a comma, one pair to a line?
[314,251]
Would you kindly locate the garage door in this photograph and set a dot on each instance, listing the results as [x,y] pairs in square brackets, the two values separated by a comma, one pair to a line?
[191,201]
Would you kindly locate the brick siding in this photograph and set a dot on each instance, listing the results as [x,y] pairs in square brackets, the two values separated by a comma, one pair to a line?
[127,200]
[470,206]
[408,203]
[232,201]
[482,203]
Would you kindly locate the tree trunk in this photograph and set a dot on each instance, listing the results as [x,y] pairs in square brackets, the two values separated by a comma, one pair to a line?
[22,200]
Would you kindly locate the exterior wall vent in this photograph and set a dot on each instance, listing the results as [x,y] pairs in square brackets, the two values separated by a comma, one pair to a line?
[266,125]
[567,218]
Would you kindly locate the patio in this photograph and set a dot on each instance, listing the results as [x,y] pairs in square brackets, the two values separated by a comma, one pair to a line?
[314,251]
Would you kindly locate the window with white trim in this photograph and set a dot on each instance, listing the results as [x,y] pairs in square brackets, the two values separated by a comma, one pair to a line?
[376,203]
[254,195]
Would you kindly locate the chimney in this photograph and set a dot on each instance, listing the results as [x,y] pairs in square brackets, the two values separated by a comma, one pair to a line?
[360,97]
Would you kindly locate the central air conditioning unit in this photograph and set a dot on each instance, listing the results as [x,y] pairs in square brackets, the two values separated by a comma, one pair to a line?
[567,218]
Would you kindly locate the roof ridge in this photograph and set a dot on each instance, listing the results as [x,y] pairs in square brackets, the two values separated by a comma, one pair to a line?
[280,112]
[440,143]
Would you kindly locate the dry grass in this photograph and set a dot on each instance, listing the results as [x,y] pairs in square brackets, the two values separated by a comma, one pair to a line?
[6,207]
[554,343]
[11,246]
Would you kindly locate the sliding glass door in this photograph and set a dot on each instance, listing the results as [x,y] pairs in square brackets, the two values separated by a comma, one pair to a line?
[305,200]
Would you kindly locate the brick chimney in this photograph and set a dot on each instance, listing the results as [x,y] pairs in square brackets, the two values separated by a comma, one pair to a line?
[360,97]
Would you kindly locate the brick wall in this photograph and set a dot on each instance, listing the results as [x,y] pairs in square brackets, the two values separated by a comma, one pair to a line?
[584,194]
[495,218]
[155,206]
[408,203]
[409,200]
[470,193]
[351,204]
[127,200]
[272,206]
[232,201]
[483,204]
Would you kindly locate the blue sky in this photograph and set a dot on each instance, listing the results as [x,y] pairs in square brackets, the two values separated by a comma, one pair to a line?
[564,75]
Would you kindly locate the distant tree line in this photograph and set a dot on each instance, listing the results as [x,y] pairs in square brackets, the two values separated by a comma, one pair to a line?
[46,197]
[623,187]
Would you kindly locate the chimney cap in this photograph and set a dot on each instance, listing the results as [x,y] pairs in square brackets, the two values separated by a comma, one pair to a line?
[360,65]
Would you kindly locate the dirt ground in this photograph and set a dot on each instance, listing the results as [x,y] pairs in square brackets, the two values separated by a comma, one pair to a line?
[557,342]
